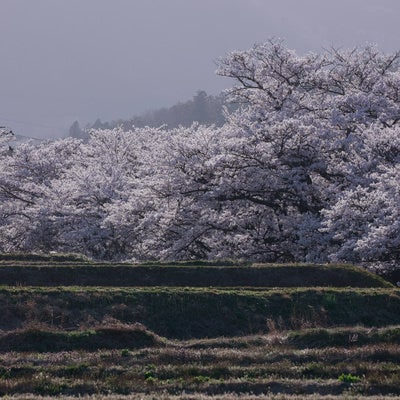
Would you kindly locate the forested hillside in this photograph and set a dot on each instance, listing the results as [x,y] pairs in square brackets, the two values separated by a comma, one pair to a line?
[203,108]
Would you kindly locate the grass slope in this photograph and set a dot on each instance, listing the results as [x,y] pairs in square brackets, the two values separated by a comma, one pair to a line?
[258,275]
[184,313]
[102,337]
[196,332]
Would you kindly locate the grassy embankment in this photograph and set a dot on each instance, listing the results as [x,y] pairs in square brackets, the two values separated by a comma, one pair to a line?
[164,330]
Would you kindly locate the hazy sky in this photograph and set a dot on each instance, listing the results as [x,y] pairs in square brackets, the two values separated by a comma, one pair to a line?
[66,60]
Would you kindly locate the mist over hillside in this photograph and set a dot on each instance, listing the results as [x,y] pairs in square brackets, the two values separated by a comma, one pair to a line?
[202,108]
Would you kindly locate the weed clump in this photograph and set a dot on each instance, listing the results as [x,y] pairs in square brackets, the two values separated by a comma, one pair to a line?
[349,378]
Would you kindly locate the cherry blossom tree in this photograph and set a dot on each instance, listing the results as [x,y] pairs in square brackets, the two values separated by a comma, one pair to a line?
[305,169]
[364,222]
[26,176]
[301,128]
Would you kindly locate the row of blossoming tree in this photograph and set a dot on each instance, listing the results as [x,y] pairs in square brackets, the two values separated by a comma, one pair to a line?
[306,169]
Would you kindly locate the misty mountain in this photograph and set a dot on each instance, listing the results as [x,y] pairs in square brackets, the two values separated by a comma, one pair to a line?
[8,138]
[202,108]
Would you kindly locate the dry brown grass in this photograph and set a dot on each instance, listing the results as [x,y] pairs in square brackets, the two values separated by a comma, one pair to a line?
[254,365]
[223,344]
[199,396]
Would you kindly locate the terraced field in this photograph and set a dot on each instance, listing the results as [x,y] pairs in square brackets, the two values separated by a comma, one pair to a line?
[171,332]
